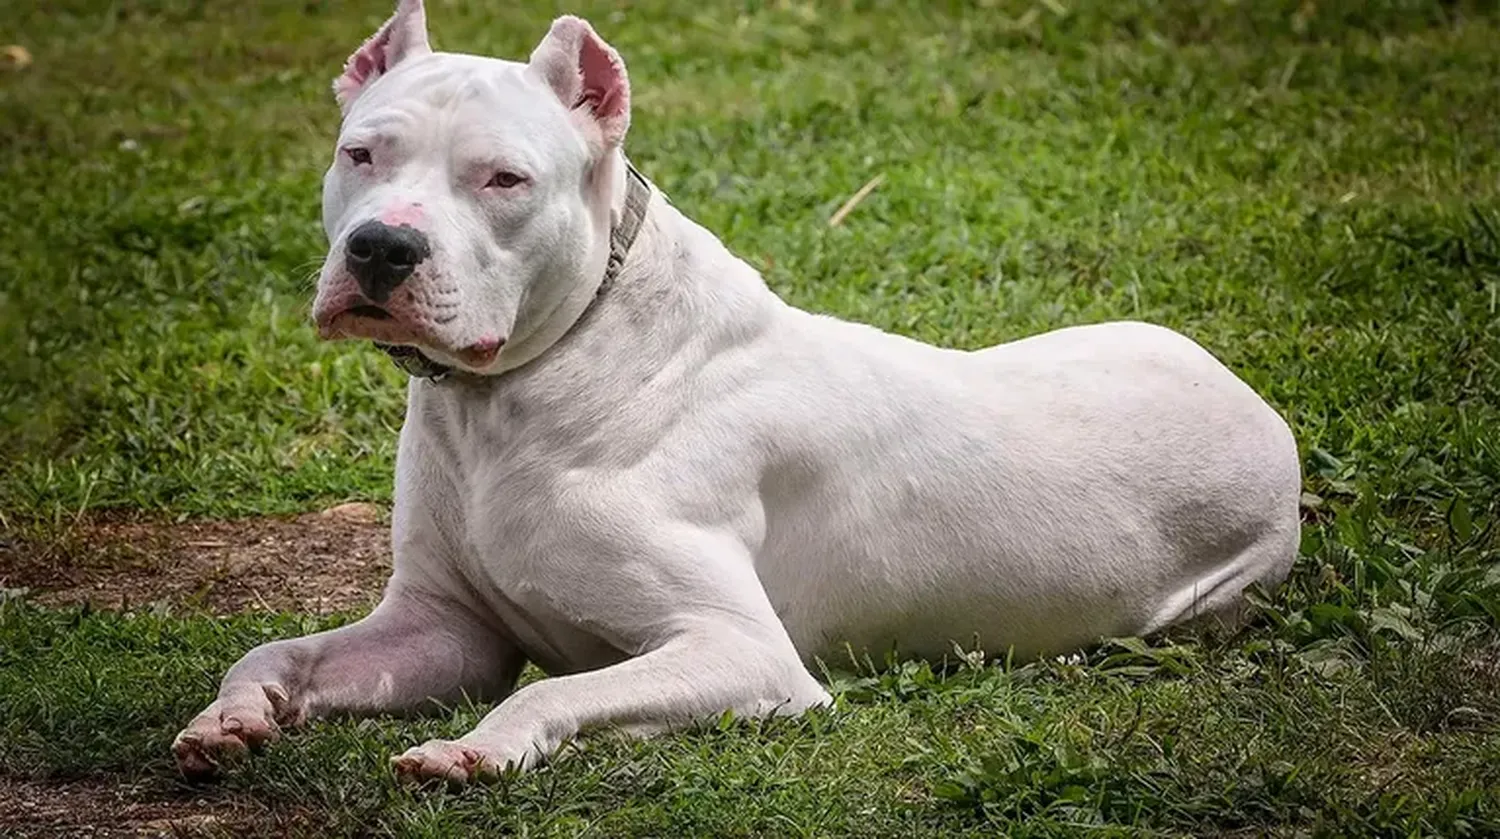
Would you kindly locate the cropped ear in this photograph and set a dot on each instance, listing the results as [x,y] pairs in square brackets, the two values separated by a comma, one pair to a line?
[402,37]
[587,75]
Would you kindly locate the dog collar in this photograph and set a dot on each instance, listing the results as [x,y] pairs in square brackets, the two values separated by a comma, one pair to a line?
[417,364]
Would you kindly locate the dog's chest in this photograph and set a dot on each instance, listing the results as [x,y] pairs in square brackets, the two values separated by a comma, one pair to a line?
[509,570]
[496,476]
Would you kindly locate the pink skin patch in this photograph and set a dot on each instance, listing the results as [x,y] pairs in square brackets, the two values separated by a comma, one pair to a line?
[483,351]
[410,215]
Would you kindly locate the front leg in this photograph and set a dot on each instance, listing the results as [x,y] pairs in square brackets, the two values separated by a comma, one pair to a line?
[710,642]
[697,675]
[414,650]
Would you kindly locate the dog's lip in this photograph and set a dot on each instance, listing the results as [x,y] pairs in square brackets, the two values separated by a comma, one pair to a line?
[359,322]
[368,310]
[365,320]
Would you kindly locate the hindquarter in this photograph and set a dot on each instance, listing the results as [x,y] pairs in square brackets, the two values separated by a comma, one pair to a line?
[1040,498]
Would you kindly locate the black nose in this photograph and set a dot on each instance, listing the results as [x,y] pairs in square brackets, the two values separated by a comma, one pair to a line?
[381,257]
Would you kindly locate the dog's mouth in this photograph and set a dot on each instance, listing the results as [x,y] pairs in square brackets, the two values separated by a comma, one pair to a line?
[368,311]
[366,320]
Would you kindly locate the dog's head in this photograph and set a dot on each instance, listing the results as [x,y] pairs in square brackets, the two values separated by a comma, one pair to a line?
[469,199]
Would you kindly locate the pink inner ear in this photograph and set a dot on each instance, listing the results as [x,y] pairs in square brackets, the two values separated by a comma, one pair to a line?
[603,88]
[366,63]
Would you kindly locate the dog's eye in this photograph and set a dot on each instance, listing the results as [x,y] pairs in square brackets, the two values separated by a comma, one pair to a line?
[505,180]
[358,156]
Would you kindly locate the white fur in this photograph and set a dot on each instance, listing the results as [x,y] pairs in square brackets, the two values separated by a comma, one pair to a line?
[676,504]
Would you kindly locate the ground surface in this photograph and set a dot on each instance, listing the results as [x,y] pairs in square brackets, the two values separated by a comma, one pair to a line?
[1307,188]
[326,562]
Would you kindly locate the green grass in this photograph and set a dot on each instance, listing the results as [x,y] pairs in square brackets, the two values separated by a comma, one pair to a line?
[1311,190]
[1183,738]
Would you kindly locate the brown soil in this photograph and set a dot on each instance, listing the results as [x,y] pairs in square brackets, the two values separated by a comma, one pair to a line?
[324,562]
[111,810]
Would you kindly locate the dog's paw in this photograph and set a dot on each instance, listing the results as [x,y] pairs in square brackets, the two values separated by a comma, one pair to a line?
[227,730]
[439,760]
[457,762]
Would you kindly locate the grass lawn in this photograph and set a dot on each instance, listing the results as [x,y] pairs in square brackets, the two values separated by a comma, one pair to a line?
[1309,189]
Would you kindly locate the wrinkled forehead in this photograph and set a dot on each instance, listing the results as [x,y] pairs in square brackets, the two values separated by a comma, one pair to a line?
[453,101]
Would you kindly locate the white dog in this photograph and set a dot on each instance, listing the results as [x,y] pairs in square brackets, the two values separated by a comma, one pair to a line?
[629,462]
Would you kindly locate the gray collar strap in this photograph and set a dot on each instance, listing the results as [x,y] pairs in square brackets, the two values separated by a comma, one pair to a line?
[621,237]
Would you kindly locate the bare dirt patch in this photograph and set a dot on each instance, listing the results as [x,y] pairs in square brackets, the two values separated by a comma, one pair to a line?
[324,562]
[110,809]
